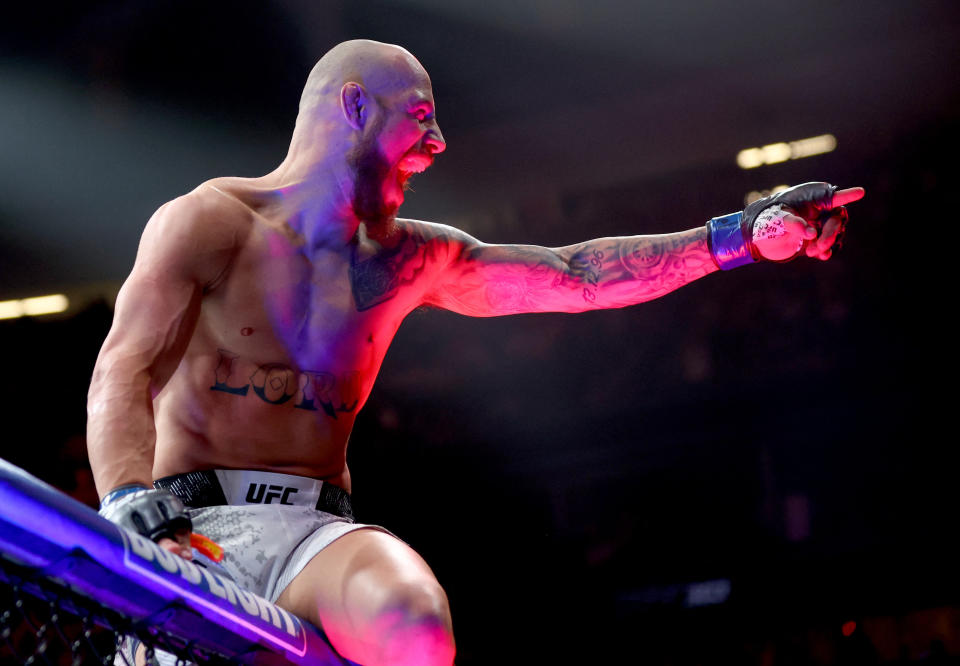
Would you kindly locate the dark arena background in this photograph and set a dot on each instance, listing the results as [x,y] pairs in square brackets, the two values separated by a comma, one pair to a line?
[756,469]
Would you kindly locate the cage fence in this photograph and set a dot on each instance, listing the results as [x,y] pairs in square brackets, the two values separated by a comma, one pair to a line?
[45,621]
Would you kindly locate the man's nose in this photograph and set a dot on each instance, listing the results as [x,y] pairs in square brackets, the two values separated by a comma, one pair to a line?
[433,141]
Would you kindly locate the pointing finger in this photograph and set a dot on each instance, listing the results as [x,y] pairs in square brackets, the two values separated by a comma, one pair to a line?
[849,195]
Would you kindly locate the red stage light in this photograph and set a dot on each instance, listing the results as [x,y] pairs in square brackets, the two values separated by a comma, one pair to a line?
[848,628]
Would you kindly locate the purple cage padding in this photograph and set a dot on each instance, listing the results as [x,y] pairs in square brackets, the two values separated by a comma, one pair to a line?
[43,529]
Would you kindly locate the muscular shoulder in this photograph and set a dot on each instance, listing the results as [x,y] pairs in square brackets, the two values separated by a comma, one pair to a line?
[440,241]
[405,260]
[210,214]
[196,235]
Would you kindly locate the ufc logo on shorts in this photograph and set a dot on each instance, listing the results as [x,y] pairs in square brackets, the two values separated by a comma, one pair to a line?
[261,493]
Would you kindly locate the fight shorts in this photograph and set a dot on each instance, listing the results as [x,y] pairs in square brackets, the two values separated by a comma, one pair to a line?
[270,525]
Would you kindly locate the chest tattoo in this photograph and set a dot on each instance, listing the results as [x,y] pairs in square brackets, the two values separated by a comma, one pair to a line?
[377,279]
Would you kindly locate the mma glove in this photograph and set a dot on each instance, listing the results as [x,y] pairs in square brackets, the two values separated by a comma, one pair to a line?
[730,237]
[156,514]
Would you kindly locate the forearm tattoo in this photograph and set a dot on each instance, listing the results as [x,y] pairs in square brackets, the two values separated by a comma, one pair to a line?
[588,268]
[486,280]
[627,270]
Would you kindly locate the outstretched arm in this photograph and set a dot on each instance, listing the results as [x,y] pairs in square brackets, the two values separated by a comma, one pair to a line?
[487,280]
[484,280]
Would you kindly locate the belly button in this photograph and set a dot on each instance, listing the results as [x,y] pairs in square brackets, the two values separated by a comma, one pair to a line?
[246,331]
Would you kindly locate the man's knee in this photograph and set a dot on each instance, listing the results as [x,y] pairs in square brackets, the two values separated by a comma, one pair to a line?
[377,601]
[416,613]
[415,603]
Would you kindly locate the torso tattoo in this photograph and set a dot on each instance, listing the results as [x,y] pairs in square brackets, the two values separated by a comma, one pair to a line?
[378,278]
[278,384]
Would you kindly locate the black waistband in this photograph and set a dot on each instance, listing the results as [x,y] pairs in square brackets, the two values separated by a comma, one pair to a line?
[201,489]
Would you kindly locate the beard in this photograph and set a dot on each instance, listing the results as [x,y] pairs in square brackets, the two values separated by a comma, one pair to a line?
[371,170]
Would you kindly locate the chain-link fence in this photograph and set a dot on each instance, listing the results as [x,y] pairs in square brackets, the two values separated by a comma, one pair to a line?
[76,589]
[43,621]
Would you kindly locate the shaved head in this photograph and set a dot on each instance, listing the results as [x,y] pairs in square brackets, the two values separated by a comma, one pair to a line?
[367,116]
[380,68]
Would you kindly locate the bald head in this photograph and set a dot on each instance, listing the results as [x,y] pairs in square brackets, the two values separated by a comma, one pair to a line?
[366,116]
[380,68]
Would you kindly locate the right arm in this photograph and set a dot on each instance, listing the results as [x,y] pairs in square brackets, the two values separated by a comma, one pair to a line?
[186,246]
[484,280]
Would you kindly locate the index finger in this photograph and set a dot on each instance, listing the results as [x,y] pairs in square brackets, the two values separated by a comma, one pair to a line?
[849,195]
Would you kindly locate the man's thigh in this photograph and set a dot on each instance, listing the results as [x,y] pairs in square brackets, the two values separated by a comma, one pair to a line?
[352,587]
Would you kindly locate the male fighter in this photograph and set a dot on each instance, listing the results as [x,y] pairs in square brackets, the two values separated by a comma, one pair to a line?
[252,326]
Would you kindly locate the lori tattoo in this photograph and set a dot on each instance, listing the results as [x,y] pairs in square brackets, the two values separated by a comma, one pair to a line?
[278,384]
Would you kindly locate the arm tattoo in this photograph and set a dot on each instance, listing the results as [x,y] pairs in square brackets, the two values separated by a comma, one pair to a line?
[379,278]
[511,286]
[623,271]
[483,280]
[489,280]
[588,268]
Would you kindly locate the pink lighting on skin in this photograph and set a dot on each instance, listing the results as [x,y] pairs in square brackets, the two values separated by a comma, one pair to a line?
[411,642]
[415,162]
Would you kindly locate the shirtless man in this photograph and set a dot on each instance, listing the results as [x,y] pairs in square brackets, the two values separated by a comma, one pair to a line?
[258,312]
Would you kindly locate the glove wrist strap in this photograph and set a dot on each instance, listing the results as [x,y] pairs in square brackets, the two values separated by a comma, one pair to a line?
[120,491]
[729,246]
[155,514]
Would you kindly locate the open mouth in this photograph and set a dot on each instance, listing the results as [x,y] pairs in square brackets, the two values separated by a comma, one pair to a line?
[410,164]
[415,163]
[403,178]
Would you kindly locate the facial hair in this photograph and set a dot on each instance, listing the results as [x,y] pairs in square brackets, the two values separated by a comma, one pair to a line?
[370,171]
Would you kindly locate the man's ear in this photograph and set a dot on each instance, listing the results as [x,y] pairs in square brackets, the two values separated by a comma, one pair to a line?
[353,103]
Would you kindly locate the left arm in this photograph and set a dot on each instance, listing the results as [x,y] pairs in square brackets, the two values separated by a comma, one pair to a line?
[485,280]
